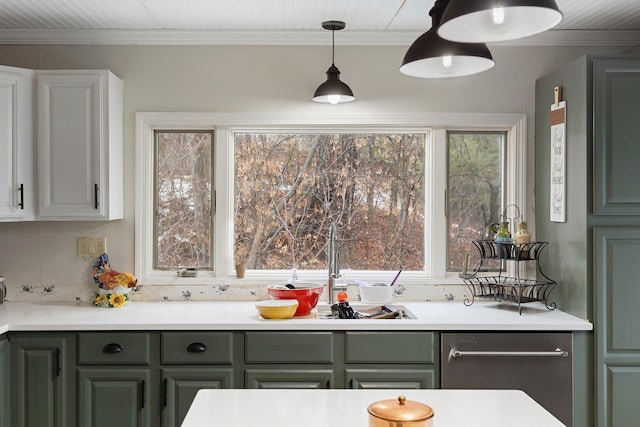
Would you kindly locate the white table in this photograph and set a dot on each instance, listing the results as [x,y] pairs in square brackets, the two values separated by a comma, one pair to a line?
[348,408]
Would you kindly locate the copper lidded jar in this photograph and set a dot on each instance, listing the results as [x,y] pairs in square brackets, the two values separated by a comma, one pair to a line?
[400,412]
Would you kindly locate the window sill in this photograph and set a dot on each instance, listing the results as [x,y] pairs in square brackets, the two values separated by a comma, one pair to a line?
[265,279]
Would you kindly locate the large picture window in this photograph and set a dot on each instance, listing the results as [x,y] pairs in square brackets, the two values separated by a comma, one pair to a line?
[406,192]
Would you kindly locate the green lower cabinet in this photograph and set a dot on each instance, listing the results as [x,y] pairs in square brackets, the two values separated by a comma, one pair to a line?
[304,378]
[144,379]
[114,397]
[39,393]
[5,407]
[390,378]
[181,385]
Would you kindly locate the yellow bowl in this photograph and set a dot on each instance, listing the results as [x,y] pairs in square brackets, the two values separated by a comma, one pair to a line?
[277,309]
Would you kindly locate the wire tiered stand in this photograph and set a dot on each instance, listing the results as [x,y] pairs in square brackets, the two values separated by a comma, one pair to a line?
[510,289]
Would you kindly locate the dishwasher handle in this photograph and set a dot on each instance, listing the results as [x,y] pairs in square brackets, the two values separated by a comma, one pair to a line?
[558,352]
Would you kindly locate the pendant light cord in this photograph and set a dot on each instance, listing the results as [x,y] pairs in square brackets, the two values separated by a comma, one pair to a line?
[333,47]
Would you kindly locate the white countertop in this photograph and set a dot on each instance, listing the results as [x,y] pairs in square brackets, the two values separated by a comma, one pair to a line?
[348,408]
[242,315]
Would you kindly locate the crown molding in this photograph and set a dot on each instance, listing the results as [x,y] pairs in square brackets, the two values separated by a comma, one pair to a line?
[293,38]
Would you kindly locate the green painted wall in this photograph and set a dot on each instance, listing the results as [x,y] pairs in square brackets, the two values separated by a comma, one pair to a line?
[567,257]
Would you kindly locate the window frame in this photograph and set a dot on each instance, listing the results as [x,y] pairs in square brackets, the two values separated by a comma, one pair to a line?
[224,124]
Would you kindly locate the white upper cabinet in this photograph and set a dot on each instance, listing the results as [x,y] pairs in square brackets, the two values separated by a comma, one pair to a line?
[17,193]
[79,145]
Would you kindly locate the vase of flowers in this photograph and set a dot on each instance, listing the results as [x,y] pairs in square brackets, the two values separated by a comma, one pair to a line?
[113,287]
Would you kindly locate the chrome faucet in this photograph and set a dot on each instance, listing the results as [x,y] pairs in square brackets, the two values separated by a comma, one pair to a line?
[334,266]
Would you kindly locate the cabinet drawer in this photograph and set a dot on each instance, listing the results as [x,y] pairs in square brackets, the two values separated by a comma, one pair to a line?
[113,348]
[289,347]
[390,378]
[390,347]
[289,378]
[197,347]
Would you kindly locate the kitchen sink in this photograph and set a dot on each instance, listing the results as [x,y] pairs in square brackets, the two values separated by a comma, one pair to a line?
[367,312]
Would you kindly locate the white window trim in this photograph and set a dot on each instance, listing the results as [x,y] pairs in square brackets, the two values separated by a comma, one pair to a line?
[223,124]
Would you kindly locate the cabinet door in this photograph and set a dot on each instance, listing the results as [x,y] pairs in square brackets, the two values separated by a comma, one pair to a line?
[38,382]
[390,378]
[616,102]
[616,254]
[289,378]
[17,192]
[113,396]
[79,145]
[182,384]
[5,403]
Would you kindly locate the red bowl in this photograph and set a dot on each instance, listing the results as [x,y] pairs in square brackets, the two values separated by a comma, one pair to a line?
[307,295]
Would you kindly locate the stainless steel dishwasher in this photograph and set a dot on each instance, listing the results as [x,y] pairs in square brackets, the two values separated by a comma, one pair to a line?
[540,364]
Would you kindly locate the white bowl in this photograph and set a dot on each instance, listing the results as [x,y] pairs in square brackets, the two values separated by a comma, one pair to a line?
[375,294]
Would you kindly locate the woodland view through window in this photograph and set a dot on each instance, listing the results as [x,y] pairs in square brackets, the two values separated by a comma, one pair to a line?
[290,187]
[476,163]
[183,183]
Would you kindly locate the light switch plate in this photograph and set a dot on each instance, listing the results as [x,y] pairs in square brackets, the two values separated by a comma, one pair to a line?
[91,247]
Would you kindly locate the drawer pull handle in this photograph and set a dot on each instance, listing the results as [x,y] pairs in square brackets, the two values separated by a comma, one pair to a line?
[112,348]
[197,347]
[558,352]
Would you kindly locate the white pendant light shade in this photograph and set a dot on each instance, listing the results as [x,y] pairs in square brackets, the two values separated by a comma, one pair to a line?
[430,56]
[333,91]
[485,21]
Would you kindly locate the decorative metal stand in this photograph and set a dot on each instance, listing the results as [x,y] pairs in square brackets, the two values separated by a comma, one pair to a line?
[510,289]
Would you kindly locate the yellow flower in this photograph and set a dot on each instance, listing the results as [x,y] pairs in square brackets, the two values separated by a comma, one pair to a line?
[117,300]
[99,299]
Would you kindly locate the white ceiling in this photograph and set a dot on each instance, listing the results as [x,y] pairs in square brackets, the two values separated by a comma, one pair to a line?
[385,22]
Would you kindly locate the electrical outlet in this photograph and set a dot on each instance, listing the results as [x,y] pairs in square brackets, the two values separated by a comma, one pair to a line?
[82,244]
[91,247]
[100,245]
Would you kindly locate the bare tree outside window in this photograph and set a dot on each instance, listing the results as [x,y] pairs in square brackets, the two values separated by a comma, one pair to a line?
[290,187]
[183,188]
[475,192]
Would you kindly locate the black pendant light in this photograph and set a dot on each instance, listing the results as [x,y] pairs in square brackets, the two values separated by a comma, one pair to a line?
[333,91]
[430,56]
[483,21]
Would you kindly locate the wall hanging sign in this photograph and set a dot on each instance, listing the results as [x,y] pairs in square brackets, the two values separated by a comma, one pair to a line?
[557,192]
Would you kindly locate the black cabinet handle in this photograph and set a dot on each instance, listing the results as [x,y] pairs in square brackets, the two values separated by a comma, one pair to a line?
[58,366]
[95,191]
[165,398]
[112,348]
[142,395]
[197,347]
[21,189]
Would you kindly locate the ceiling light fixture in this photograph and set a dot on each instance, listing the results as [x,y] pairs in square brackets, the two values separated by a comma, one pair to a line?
[430,56]
[484,21]
[333,91]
